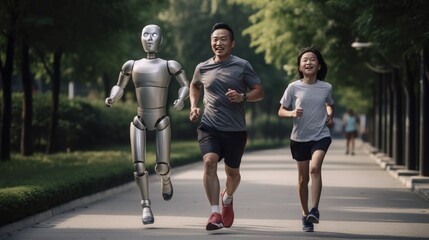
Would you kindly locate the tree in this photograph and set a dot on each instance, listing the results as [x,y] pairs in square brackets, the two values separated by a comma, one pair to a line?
[27,103]
[9,23]
[74,31]
[70,36]
[28,25]
[399,36]
[281,28]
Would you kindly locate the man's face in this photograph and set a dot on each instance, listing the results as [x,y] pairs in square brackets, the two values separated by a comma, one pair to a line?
[151,38]
[221,43]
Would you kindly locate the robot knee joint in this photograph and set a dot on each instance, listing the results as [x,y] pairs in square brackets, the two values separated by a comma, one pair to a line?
[162,169]
[139,168]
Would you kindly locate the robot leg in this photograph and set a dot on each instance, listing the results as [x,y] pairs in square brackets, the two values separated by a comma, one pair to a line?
[162,168]
[138,153]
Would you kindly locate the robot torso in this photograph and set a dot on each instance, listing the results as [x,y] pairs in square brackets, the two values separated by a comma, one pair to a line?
[151,80]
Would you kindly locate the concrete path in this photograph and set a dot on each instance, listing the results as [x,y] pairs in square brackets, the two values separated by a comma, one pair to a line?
[359,201]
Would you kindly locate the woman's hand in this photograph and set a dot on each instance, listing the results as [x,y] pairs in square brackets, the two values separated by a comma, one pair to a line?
[329,121]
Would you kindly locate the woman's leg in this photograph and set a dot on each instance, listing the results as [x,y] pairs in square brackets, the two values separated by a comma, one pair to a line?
[316,176]
[303,179]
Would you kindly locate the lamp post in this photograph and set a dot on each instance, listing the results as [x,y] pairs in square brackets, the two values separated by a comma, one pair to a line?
[388,108]
[424,114]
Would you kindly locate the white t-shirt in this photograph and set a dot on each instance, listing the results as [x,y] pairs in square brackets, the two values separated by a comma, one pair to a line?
[312,98]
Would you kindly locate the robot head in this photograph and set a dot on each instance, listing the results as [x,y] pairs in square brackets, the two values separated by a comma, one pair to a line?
[151,38]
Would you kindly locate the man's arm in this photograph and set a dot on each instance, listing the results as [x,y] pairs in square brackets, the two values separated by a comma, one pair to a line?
[256,93]
[194,96]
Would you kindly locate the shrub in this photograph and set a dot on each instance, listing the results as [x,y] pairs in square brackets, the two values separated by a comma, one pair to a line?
[81,125]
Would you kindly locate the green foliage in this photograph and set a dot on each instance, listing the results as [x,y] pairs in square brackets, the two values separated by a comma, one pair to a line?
[354,100]
[399,25]
[281,28]
[83,124]
[274,128]
[396,28]
[277,28]
[181,127]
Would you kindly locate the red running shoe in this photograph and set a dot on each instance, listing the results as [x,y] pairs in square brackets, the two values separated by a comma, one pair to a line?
[227,212]
[214,222]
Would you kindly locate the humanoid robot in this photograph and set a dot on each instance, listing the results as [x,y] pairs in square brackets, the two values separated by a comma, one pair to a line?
[151,77]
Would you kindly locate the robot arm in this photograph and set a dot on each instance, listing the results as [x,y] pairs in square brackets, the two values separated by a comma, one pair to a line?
[118,90]
[176,69]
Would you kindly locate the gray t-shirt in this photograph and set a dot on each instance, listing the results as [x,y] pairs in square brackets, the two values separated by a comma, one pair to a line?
[312,98]
[217,78]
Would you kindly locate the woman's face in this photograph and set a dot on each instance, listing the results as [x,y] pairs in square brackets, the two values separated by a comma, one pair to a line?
[309,65]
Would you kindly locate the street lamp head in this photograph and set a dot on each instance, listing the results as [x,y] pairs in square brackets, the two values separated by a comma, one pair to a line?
[376,68]
[359,45]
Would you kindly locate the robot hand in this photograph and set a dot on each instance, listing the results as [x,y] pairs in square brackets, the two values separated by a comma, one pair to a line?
[178,104]
[109,101]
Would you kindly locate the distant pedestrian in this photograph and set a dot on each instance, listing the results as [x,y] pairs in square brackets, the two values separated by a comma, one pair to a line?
[309,102]
[350,126]
[228,82]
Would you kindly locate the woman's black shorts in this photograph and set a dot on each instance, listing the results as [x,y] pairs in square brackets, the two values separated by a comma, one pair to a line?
[302,151]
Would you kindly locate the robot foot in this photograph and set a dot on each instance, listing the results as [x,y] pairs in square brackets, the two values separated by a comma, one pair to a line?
[167,189]
[147,216]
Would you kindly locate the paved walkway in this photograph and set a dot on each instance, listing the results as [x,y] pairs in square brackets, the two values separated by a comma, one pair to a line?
[360,200]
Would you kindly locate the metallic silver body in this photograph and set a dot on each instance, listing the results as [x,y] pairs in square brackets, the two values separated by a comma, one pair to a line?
[151,77]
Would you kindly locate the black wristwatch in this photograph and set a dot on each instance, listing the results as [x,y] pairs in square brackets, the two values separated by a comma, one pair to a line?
[244,95]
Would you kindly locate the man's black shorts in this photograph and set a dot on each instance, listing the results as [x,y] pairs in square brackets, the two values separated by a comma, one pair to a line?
[302,151]
[227,145]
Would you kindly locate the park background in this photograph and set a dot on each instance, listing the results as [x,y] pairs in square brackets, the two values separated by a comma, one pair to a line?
[59,60]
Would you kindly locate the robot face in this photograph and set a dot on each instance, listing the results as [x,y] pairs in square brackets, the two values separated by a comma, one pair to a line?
[151,38]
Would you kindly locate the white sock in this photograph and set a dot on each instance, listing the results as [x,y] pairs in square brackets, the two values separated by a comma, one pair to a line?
[215,208]
[227,199]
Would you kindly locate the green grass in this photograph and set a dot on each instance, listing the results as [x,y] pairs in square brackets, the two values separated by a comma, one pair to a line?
[31,185]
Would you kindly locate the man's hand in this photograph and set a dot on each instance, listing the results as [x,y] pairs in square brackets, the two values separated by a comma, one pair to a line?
[194,114]
[234,96]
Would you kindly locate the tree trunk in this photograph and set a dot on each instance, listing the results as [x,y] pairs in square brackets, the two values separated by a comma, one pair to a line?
[106,84]
[424,114]
[410,119]
[56,84]
[397,133]
[27,103]
[6,72]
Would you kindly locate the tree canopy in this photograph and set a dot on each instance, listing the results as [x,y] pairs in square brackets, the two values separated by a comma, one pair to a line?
[88,41]
[396,28]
